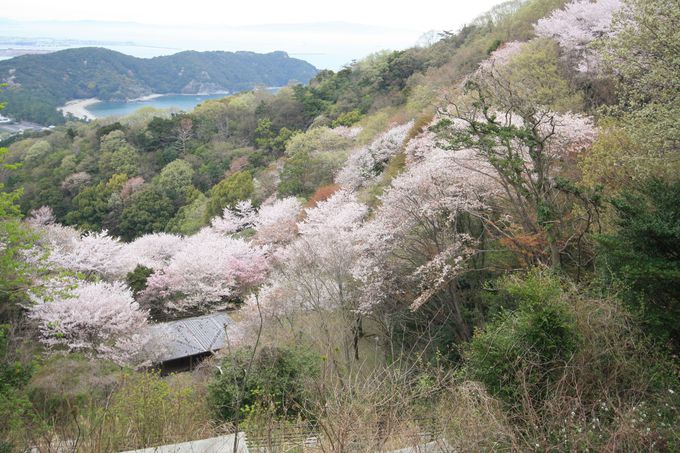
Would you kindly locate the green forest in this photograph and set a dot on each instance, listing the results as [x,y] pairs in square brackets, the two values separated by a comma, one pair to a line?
[472,245]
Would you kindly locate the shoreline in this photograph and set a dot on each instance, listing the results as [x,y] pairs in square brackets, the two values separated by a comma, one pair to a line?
[78,108]
[152,96]
[148,97]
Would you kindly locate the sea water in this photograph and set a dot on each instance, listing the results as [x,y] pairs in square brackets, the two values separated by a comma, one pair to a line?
[184,102]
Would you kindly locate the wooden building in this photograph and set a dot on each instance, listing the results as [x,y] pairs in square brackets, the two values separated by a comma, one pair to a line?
[180,345]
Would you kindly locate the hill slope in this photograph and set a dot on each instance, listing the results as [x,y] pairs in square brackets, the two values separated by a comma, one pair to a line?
[40,83]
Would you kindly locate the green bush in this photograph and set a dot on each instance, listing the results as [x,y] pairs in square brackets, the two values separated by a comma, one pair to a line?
[149,211]
[232,189]
[348,118]
[15,408]
[644,254]
[277,378]
[519,349]
[150,410]
[303,173]
[137,278]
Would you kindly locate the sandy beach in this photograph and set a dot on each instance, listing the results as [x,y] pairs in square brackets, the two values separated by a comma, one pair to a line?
[148,97]
[78,108]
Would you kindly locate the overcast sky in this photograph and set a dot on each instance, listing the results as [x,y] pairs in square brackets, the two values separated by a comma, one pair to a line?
[359,26]
[418,15]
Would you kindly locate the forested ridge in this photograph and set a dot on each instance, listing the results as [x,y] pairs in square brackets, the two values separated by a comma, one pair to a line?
[38,84]
[472,244]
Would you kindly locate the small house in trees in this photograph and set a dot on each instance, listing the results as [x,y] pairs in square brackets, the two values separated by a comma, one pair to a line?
[180,345]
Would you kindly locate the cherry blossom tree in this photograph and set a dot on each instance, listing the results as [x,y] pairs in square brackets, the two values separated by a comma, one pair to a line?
[154,251]
[347,132]
[577,25]
[235,219]
[41,217]
[131,186]
[418,241]
[524,143]
[501,56]
[100,319]
[276,223]
[209,270]
[340,212]
[314,272]
[314,268]
[365,164]
[98,253]
[75,181]
[91,254]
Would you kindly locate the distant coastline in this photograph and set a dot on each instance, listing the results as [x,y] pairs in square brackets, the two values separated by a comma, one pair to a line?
[79,108]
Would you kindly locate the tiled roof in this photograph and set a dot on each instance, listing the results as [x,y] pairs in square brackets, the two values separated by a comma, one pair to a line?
[188,337]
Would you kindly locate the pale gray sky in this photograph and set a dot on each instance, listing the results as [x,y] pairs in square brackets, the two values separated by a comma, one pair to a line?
[327,34]
[419,15]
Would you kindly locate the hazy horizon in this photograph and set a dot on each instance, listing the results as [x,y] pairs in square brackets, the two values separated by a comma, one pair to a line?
[328,39]
[327,45]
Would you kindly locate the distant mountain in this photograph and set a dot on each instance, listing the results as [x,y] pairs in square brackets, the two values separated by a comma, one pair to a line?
[38,84]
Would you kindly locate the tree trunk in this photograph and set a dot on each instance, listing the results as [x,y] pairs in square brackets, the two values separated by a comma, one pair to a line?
[555,260]
[358,332]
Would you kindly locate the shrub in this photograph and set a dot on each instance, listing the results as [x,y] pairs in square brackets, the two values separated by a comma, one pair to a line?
[143,410]
[136,279]
[303,173]
[277,378]
[521,347]
[644,253]
[348,118]
[16,411]
[149,410]
[236,187]
[574,372]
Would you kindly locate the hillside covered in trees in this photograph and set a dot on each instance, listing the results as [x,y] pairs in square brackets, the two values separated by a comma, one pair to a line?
[473,245]
[38,84]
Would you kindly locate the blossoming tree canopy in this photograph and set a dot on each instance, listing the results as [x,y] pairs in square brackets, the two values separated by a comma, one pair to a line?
[209,269]
[93,253]
[100,319]
[366,163]
[577,25]
[274,222]
[153,250]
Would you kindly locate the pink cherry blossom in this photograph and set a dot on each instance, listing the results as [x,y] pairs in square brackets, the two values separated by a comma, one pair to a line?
[208,270]
[365,164]
[235,219]
[92,253]
[151,250]
[578,24]
[341,211]
[501,56]
[100,319]
[276,223]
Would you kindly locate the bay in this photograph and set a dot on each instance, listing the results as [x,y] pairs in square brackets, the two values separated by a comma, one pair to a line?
[185,102]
